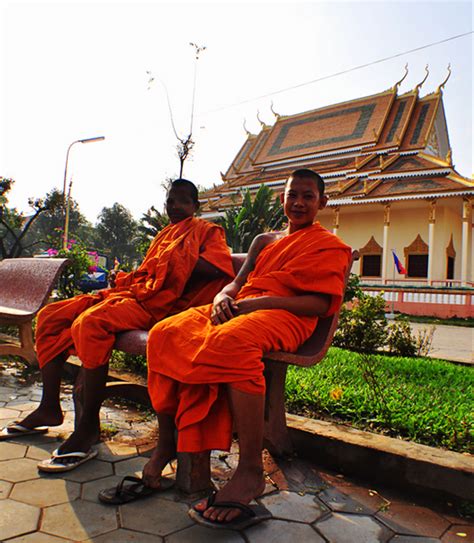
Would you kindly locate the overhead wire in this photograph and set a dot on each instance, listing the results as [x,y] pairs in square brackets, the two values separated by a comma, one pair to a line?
[335,74]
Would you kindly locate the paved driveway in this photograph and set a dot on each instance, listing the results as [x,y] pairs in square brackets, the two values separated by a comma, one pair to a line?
[454,343]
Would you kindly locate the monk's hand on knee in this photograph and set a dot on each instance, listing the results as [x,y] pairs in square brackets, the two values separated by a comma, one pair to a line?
[223,309]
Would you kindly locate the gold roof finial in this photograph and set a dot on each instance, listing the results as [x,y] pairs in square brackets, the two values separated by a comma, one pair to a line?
[277,115]
[418,87]
[262,124]
[222,176]
[246,129]
[449,157]
[441,87]
[395,87]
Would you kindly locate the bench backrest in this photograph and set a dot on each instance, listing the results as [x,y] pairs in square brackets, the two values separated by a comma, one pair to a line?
[26,283]
[314,349]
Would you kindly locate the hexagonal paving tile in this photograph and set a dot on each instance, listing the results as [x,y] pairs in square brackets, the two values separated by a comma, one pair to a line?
[338,501]
[115,452]
[5,489]
[9,414]
[407,519]
[42,451]
[199,534]
[9,451]
[124,536]
[89,471]
[282,531]
[459,533]
[39,537]
[79,520]
[347,528]
[155,516]
[10,512]
[45,492]
[292,506]
[20,469]
[132,466]
[413,539]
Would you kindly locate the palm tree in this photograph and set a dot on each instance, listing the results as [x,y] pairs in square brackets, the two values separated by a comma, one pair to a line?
[242,224]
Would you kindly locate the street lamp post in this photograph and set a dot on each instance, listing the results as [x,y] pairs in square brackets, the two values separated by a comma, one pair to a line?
[66,200]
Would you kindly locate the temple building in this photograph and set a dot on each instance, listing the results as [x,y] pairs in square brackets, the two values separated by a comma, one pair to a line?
[392,186]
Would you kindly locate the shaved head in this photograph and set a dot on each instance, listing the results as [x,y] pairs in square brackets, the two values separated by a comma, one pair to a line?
[309,174]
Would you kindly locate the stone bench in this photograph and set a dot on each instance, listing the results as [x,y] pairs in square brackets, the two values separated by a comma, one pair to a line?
[25,286]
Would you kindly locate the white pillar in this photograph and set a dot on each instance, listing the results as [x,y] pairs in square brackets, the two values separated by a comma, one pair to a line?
[431,235]
[385,254]
[466,246]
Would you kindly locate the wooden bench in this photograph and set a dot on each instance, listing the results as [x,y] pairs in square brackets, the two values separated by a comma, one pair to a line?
[194,470]
[25,286]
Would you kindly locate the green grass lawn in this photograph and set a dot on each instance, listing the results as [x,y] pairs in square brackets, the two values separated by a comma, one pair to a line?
[420,399]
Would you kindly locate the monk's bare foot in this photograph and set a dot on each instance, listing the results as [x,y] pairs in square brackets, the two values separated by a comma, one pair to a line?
[245,485]
[43,416]
[153,469]
[82,439]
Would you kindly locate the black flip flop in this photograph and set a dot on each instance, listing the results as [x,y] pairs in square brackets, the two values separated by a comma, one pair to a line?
[250,515]
[122,493]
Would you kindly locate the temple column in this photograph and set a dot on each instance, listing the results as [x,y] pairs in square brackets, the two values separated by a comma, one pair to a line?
[431,234]
[465,241]
[386,252]
[335,221]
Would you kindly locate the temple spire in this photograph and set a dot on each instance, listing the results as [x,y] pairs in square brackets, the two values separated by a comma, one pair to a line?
[418,87]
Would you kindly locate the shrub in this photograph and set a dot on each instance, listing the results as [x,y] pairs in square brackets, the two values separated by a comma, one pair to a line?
[400,339]
[363,328]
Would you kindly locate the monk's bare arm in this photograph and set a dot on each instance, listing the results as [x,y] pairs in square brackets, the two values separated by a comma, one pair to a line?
[224,305]
[203,268]
[306,305]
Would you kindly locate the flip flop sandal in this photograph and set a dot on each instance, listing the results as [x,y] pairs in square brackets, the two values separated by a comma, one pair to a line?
[59,463]
[122,493]
[15,429]
[249,516]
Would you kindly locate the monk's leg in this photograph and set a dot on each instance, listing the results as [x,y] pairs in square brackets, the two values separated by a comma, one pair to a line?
[87,431]
[94,334]
[248,480]
[49,411]
[164,452]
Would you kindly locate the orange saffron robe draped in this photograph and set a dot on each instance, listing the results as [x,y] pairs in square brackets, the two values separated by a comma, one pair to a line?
[161,286]
[189,358]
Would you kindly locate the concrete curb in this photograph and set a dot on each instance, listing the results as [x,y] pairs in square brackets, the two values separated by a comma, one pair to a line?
[384,459]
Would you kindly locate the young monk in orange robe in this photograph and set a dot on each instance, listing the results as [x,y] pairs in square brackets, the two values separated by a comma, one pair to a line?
[187,263]
[288,280]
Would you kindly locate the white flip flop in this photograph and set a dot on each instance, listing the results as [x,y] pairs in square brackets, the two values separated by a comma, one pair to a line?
[55,464]
[15,430]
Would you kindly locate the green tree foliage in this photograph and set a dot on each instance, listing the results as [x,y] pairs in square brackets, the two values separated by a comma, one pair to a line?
[117,233]
[15,227]
[48,229]
[151,222]
[242,224]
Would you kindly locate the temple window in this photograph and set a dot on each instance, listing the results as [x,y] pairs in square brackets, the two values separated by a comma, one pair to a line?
[450,258]
[416,256]
[371,257]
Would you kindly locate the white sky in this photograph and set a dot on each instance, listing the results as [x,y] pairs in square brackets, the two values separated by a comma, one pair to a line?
[71,70]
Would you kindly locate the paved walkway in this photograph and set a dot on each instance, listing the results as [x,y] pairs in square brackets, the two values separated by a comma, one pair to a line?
[454,343]
[308,503]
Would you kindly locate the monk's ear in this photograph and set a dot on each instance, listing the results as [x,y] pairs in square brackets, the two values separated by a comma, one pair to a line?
[282,198]
[197,205]
[323,202]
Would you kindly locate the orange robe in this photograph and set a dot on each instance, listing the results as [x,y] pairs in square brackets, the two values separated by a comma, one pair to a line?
[161,286]
[189,358]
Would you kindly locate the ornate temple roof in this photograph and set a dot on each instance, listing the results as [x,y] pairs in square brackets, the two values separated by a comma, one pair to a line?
[378,148]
